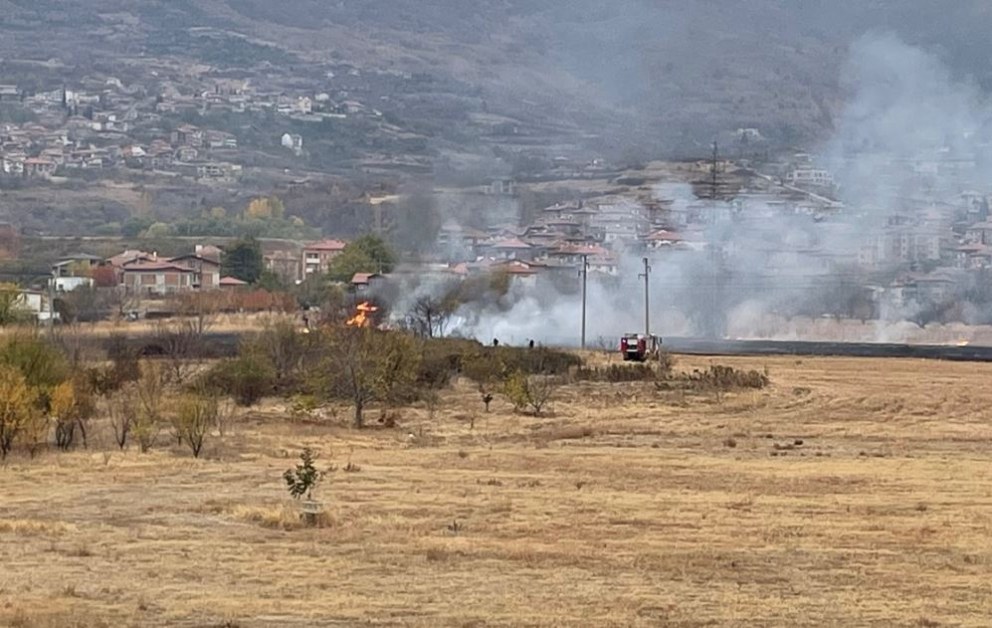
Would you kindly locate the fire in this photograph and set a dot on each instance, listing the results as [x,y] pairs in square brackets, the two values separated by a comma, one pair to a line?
[964,343]
[363,315]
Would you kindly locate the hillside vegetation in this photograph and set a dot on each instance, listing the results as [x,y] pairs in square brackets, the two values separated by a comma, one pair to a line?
[662,74]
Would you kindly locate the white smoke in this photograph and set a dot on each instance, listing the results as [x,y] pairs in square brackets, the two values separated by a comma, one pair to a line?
[755,271]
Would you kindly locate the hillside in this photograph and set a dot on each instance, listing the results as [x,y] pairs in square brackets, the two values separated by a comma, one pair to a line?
[664,75]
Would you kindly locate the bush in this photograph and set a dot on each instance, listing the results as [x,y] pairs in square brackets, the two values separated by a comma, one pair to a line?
[247,378]
[41,364]
[616,373]
[530,392]
[459,355]
[716,378]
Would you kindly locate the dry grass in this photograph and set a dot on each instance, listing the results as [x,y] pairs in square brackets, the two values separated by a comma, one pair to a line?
[857,492]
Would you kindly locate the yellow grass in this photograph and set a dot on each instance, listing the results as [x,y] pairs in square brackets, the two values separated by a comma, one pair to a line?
[625,508]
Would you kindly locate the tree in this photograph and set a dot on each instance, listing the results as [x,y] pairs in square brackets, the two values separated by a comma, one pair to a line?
[247,378]
[12,308]
[123,413]
[283,347]
[532,392]
[430,315]
[365,366]
[265,208]
[149,397]
[243,260]
[71,406]
[303,480]
[41,364]
[18,407]
[486,371]
[197,413]
[368,254]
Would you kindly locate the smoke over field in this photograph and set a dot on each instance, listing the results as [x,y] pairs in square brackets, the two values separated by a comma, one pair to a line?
[910,141]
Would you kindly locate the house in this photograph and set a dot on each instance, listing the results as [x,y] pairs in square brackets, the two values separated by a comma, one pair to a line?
[75,265]
[231,283]
[293,142]
[502,187]
[37,167]
[573,253]
[131,256]
[816,177]
[317,256]
[34,304]
[604,265]
[188,135]
[220,140]
[62,285]
[283,264]
[208,251]
[518,271]
[457,240]
[512,248]
[972,257]
[979,233]
[157,278]
[9,93]
[206,271]
[366,282]
[663,239]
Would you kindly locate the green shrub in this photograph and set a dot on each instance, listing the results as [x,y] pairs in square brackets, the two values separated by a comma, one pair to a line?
[247,378]
[41,364]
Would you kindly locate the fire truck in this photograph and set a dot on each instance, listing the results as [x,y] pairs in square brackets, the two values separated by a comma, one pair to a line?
[638,347]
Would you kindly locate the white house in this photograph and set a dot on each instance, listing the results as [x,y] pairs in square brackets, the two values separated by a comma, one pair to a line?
[293,142]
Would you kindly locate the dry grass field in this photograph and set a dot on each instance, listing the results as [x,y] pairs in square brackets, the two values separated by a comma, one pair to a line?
[848,493]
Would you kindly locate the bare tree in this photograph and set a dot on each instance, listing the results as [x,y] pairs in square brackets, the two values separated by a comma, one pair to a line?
[366,366]
[531,392]
[197,413]
[181,342]
[123,413]
[430,316]
[150,393]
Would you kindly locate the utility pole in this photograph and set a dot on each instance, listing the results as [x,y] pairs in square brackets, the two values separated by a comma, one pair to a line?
[584,273]
[51,305]
[714,169]
[647,298]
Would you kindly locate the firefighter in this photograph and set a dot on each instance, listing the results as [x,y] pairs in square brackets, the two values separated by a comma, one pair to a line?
[531,344]
[495,342]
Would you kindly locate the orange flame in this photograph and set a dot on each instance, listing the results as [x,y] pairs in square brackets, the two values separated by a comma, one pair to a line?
[363,315]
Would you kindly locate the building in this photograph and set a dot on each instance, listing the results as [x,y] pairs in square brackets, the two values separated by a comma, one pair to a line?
[62,285]
[37,167]
[206,271]
[157,278]
[512,248]
[232,283]
[293,142]
[283,264]
[317,256]
[9,93]
[188,135]
[75,265]
[815,177]
[366,282]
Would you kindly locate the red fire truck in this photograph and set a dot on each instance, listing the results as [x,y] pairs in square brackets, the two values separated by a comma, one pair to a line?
[638,347]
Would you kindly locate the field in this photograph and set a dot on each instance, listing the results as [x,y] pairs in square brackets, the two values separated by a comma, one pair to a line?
[848,493]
